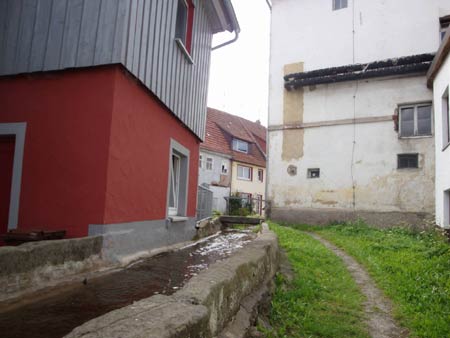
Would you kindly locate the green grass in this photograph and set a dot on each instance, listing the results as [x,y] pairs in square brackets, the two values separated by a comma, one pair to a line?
[322,300]
[413,270]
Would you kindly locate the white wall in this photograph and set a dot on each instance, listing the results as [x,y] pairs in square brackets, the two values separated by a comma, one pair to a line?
[441,84]
[309,31]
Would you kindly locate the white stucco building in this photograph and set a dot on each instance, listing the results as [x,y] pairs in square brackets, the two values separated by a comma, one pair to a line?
[439,81]
[350,115]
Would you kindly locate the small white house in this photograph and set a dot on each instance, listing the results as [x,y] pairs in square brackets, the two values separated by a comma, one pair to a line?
[439,79]
[350,116]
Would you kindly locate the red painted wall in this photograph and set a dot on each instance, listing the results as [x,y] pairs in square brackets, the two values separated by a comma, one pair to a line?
[96,149]
[68,117]
[138,165]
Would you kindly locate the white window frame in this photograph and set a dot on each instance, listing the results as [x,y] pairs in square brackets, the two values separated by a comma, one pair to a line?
[209,163]
[445,106]
[178,179]
[244,178]
[237,143]
[175,184]
[339,4]
[200,161]
[182,40]
[415,106]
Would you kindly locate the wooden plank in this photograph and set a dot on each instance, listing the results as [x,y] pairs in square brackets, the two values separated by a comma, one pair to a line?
[171,57]
[137,37]
[144,40]
[162,63]
[88,32]
[150,44]
[26,29]
[121,34]
[71,35]
[131,34]
[157,37]
[106,30]
[55,35]
[3,28]
[41,30]
[12,36]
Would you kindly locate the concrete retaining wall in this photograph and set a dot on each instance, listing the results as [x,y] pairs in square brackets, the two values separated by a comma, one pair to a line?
[202,308]
[329,215]
[33,265]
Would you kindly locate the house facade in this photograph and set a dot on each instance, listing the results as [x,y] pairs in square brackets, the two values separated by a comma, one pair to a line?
[350,117]
[232,159]
[102,111]
[439,80]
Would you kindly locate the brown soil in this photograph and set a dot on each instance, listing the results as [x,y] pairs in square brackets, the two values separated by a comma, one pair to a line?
[377,307]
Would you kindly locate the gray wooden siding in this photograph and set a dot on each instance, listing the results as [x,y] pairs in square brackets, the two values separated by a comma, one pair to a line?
[44,35]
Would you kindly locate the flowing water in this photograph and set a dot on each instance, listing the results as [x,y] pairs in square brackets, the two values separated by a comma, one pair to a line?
[59,311]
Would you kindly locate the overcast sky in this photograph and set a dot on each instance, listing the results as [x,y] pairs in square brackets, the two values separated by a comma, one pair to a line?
[239,76]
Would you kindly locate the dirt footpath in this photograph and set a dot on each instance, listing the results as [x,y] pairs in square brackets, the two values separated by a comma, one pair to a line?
[377,307]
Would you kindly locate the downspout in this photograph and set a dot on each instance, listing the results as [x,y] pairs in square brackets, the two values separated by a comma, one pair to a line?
[236,36]
[234,25]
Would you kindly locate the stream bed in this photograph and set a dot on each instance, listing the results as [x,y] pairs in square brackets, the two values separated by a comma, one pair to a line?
[53,314]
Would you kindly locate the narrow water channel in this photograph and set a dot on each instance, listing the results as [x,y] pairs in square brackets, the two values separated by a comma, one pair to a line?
[60,311]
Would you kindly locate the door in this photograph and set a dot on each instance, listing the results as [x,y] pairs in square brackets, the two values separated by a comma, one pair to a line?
[7,145]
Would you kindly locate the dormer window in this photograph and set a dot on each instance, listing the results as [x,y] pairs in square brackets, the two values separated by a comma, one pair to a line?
[240,145]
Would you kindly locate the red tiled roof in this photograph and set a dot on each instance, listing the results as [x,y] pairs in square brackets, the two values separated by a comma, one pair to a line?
[222,127]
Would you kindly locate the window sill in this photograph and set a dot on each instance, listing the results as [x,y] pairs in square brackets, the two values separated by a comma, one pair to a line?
[244,179]
[414,137]
[184,50]
[408,169]
[175,219]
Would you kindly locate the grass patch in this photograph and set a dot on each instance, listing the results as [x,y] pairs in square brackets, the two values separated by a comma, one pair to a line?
[412,268]
[322,300]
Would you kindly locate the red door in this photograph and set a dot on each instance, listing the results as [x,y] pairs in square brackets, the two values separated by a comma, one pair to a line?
[7,144]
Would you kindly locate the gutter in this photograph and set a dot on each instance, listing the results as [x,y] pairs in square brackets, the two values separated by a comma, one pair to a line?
[233,24]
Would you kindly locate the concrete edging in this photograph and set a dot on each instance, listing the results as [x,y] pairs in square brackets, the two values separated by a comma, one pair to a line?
[33,265]
[203,307]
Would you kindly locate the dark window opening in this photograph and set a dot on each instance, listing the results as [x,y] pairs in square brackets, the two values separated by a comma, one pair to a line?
[444,23]
[407,161]
[184,23]
[314,173]
[339,4]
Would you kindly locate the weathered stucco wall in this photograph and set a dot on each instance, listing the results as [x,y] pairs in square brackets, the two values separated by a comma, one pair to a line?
[441,89]
[346,129]
[360,155]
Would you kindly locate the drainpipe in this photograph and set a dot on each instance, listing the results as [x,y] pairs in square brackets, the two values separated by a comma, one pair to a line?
[234,25]
[236,36]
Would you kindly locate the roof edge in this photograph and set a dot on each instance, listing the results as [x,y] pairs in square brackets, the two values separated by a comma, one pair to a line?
[439,59]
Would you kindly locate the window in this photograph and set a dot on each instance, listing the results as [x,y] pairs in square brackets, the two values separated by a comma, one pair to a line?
[241,146]
[260,175]
[244,173]
[184,23]
[313,173]
[445,120]
[444,23]
[415,120]
[224,168]
[405,161]
[200,162]
[339,4]
[209,163]
[178,179]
